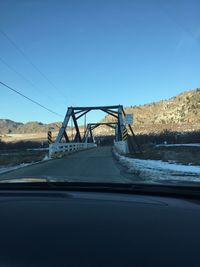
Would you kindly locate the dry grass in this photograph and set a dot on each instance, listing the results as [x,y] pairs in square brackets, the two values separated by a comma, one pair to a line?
[10,158]
[183,155]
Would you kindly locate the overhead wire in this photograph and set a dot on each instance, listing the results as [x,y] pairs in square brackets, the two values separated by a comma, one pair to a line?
[22,76]
[29,60]
[30,99]
[16,72]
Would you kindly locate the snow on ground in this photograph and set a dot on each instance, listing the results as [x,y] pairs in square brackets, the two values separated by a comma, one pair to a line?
[38,149]
[159,171]
[4,169]
[174,145]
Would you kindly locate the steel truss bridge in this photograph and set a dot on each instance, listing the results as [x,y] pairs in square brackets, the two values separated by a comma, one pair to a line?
[63,144]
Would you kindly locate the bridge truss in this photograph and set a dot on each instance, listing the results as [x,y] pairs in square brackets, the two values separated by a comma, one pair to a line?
[75,113]
[118,123]
[88,135]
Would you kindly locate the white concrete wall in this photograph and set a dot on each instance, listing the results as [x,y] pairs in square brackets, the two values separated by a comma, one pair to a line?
[121,147]
[57,150]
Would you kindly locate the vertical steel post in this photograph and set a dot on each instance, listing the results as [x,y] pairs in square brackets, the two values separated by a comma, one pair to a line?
[64,125]
[120,125]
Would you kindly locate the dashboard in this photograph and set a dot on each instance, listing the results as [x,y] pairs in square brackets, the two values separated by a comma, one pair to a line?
[60,228]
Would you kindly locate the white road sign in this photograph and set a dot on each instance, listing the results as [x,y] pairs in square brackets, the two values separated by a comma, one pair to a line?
[129,118]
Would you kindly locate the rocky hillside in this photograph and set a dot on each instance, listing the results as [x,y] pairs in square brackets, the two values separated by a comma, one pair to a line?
[181,113]
[183,108]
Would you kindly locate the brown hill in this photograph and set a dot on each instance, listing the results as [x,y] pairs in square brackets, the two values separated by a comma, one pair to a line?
[8,126]
[11,127]
[179,113]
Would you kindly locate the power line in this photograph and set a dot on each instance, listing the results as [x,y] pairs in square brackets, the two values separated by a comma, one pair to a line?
[22,76]
[15,71]
[33,101]
[29,60]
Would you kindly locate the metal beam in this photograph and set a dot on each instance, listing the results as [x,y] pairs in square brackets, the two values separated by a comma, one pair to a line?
[112,111]
[91,135]
[102,123]
[109,124]
[82,114]
[96,107]
[78,135]
[64,125]
[120,126]
[66,136]
[108,112]
[116,111]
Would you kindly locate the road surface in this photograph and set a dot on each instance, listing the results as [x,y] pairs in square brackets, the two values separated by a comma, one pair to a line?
[94,165]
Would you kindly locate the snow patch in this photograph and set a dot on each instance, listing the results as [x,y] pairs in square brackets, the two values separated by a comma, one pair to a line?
[46,157]
[175,145]
[157,170]
[38,149]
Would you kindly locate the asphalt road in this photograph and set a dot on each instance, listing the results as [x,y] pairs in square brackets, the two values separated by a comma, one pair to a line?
[94,165]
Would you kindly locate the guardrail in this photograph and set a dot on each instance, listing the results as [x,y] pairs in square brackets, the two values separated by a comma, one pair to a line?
[57,150]
[122,147]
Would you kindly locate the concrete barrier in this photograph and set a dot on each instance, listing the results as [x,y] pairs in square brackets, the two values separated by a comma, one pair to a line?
[61,149]
[122,147]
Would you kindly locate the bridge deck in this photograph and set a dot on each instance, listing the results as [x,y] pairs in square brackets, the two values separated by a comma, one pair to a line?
[94,165]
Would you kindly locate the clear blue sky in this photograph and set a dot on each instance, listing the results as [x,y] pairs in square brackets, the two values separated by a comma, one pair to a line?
[102,52]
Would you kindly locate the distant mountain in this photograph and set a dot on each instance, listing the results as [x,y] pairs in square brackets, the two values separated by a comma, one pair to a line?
[8,126]
[179,113]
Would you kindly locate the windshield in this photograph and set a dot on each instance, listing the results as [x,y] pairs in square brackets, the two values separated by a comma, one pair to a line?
[100,91]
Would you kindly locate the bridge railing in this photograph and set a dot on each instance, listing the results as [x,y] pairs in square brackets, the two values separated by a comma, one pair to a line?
[56,150]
